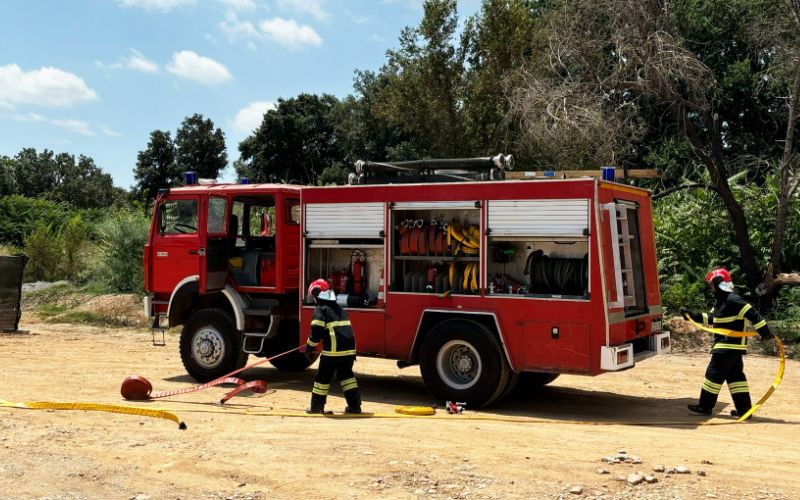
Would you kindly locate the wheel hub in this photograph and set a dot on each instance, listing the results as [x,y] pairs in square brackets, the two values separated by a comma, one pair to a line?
[459,364]
[208,347]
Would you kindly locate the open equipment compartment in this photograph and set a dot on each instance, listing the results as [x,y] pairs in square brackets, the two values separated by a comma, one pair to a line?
[344,244]
[436,247]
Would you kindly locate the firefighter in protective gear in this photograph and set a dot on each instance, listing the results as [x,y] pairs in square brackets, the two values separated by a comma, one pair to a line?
[331,326]
[726,365]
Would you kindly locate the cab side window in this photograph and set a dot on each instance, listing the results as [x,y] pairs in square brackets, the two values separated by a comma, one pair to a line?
[216,215]
[178,217]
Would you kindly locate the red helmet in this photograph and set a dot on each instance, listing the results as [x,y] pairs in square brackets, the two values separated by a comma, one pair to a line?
[725,282]
[320,289]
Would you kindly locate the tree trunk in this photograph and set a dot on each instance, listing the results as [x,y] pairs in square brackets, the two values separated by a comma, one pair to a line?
[715,163]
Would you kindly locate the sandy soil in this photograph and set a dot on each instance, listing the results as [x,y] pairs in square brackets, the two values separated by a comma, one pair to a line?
[531,445]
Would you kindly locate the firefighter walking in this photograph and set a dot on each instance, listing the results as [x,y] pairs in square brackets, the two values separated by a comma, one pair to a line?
[726,366]
[331,326]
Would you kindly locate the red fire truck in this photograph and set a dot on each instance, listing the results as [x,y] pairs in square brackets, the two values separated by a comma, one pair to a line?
[483,284]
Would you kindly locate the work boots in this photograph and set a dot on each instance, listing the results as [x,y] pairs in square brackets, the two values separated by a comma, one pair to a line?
[353,398]
[699,410]
[317,404]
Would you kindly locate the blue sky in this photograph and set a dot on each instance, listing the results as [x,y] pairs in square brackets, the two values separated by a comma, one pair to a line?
[95,77]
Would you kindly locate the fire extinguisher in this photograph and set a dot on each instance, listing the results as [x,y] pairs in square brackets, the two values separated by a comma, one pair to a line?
[358,270]
[343,278]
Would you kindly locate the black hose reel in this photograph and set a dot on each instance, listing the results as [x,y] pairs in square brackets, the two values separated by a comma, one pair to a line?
[556,275]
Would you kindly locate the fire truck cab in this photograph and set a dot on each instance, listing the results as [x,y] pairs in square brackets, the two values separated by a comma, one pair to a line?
[484,284]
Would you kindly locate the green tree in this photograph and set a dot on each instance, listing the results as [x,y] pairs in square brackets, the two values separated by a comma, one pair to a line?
[504,36]
[294,143]
[425,91]
[200,148]
[155,166]
[7,182]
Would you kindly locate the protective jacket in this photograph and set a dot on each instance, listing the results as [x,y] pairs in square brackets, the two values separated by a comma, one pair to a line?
[331,326]
[729,312]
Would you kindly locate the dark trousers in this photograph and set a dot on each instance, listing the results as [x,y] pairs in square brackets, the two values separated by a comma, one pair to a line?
[342,367]
[726,367]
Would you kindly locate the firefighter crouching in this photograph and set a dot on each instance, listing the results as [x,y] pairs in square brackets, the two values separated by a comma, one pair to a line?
[331,326]
[726,365]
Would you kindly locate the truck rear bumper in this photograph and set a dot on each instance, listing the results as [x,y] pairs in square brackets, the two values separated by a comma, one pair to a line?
[621,357]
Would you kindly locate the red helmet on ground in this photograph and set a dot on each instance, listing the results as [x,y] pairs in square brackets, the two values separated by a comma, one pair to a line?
[721,278]
[320,289]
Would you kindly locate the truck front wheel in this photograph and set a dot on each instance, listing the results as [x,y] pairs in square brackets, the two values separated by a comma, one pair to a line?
[462,361]
[210,345]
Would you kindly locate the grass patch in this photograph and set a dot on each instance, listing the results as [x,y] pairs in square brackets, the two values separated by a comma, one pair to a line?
[89,318]
[50,310]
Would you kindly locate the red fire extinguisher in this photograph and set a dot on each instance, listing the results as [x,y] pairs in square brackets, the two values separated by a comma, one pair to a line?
[358,269]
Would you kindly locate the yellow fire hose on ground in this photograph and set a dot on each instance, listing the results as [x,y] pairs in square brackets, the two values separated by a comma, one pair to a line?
[778,377]
[130,410]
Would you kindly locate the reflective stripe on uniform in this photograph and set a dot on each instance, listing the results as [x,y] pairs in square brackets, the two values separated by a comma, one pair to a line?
[321,389]
[738,387]
[737,347]
[711,386]
[705,318]
[351,352]
[760,324]
[726,319]
[312,344]
[746,308]
[318,322]
[349,384]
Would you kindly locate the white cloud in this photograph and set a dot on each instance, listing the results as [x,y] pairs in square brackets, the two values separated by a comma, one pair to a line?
[46,86]
[240,5]
[155,5]
[30,117]
[249,117]
[138,62]
[77,126]
[188,64]
[237,29]
[288,33]
[312,7]
[109,131]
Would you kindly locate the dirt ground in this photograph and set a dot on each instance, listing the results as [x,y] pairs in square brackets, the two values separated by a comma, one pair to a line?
[534,444]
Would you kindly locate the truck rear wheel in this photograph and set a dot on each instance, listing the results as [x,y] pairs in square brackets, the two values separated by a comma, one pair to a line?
[210,345]
[462,361]
[287,338]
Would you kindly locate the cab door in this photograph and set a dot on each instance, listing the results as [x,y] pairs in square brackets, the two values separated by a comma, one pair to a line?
[213,257]
[176,243]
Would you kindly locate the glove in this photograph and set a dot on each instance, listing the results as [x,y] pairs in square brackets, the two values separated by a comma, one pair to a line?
[309,353]
[767,336]
[685,313]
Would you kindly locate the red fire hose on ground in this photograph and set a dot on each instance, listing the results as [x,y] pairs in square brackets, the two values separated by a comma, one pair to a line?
[138,388]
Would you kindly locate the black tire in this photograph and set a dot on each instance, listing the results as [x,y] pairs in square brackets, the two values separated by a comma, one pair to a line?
[535,380]
[288,337]
[462,361]
[210,345]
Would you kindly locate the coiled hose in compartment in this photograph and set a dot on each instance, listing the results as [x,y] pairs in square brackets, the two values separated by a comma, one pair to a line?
[555,275]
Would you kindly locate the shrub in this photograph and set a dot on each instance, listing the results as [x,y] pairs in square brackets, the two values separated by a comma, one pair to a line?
[118,266]
[43,248]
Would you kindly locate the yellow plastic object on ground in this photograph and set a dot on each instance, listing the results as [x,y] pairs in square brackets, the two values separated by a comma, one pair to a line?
[415,410]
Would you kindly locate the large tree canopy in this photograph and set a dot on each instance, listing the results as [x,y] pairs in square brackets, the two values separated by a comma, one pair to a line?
[200,147]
